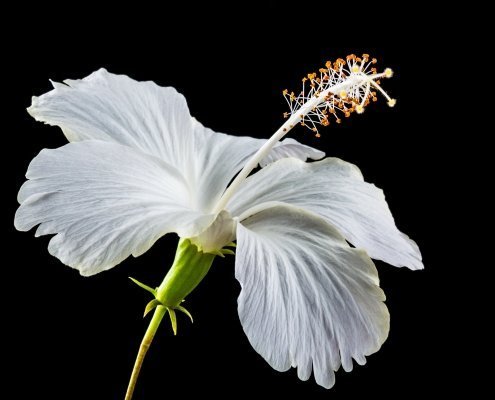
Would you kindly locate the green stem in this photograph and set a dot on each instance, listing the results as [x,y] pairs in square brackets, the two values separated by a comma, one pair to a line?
[143,349]
[189,268]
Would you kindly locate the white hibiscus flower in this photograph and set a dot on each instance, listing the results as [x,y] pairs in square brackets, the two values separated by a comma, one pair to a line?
[139,166]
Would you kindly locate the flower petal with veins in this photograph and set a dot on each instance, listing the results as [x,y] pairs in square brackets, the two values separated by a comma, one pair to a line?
[156,121]
[104,202]
[335,190]
[308,300]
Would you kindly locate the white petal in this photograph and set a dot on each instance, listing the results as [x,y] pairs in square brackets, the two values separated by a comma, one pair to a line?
[155,120]
[335,190]
[218,157]
[308,300]
[291,148]
[116,108]
[104,201]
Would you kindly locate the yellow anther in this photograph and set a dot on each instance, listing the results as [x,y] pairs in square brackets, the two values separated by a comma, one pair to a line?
[321,98]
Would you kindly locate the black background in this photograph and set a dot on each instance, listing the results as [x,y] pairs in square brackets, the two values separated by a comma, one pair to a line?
[74,337]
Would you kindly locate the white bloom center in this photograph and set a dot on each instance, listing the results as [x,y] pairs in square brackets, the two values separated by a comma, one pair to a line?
[217,235]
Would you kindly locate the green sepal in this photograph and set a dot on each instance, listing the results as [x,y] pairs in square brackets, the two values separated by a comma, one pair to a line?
[189,268]
[173,319]
[180,308]
[217,253]
[145,287]
[228,252]
[231,244]
[151,305]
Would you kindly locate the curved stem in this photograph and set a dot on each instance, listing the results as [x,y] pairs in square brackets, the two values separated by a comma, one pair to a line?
[143,349]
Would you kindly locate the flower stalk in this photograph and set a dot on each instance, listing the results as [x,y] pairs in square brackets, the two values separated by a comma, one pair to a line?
[189,268]
[143,349]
